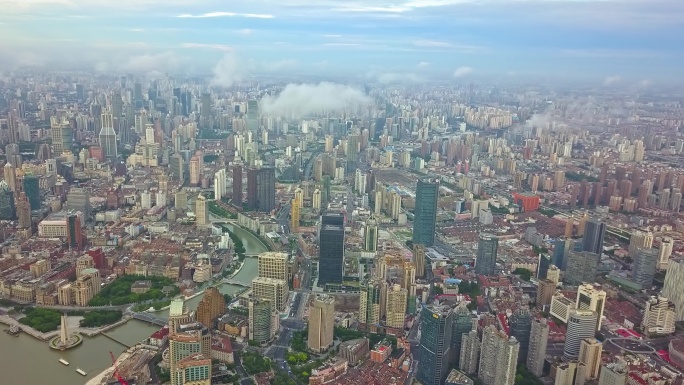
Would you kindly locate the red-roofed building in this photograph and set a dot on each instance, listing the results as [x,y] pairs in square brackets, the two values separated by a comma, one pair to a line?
[159,337]
[503,323]
[528,202]
[222,349]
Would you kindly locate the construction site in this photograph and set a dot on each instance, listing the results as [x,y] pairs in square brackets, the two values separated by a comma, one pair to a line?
[132,367]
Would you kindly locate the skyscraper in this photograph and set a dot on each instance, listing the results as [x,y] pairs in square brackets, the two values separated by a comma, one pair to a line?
[252,188]
[435,334]
[397,298]
[581,267]
[536,354]
[252,115]
[219,184]
[659,317]
[487,248]
[188,340]
[498,357]
[7,208]
[237,185]
[321,323]
[266,189]
[205,112]
[581,325]
[212,306]
[74,232]
[419,259]
[331,249]
[591,298]
[370,235]
[590,356]
[425,213]
[108,136]
[263,321]
[644,267]
[371,302]
[594,232]
[462,325]
[23,211]
[32,191]
[352,152]
[273,265]
[470,352]
[201,211]
[613,374]
[62,135]
[520,328]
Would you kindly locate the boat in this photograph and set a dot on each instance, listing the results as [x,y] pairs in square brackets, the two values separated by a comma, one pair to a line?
[81,372]
[63,361]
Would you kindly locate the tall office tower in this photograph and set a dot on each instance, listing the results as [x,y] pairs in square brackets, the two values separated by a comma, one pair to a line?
[10,177]
[462,325]
[545,292]
[659,317]
[205,112]
[219,184]
[180,199]
[370,235]
[425,213]
[263,321]
[294,214]
[590,356]
[13,128]
[545,261]
[177,167]
[640,240]
[252,198]
[212,306]
[201,211]
[32,191]
[316,200]
[116,105]
[187,338]
[273,290]
[591,298]
[520,328]
[352,152]
[594,232]
[419,259]
[79,199]
[644,267]
[487,248]
[23,211]
[108,137]
[237,185]
[137,93]
[539,337]
[273,265]
[435,334]
[252,115]
[570,373]
[331,249]
[7,208]
[62,135]
[395,314]
[470,352]
[581,325]
[195,170]
[498,357]
[74,232]
[321,323]
[266,189]
[664,252]
[194,369]
[371,301]
[613,374]
[581,267]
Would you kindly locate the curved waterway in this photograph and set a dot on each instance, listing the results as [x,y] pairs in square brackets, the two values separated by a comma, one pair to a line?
[29,361]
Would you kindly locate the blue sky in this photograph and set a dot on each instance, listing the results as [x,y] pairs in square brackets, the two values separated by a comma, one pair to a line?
[612,41]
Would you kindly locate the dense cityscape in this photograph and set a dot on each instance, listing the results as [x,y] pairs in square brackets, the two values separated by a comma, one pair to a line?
[341,192]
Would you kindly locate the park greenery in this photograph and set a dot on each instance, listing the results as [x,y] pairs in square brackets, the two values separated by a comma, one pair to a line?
[219,210]
[470,288]
[298,342]
[255,363]
[524,274]
[97,318]
[282,379]
[119,291]
[524,377]
[41,319]
[302,372]
[296,358]
[344,334]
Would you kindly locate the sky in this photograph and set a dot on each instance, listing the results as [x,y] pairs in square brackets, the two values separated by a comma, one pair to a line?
[611,41]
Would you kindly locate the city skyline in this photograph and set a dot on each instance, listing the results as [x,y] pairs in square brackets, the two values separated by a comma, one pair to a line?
[459,40]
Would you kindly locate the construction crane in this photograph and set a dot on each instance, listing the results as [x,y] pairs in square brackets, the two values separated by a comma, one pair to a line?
[116,371]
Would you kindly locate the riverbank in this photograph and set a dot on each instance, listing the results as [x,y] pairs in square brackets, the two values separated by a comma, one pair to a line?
[88,332]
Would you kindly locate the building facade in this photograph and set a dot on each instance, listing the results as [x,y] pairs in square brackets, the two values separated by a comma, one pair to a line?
[425,213]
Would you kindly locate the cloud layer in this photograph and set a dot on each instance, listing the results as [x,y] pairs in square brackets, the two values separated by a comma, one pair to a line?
[228,71]
[307,99]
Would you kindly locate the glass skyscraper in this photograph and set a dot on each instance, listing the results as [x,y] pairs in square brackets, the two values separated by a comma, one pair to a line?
[487,248]
[266,189]
[435,337]
[520,328]
[331,249]
[425,213]
[32,191]
[463,324]
[592,239]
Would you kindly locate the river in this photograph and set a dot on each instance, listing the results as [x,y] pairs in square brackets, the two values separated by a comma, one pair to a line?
[26,360]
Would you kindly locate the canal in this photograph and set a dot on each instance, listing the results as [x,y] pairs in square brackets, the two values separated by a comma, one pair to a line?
[26,360]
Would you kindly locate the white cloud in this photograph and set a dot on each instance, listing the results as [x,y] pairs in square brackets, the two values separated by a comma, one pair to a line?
[147,63]
[225,14]
[423,64]
[228,71]
[611,80]
[432,43]
[645,83]
[245,31]
[306,99]
[462,71]
[217,47]
[395,77]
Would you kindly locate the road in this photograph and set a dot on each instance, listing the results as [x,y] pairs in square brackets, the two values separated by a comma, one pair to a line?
[277,352]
